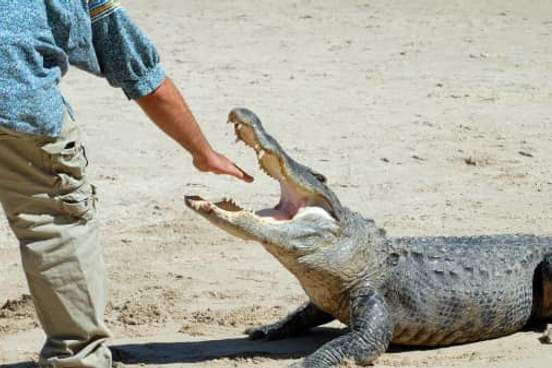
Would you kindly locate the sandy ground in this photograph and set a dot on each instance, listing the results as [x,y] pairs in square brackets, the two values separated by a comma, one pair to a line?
[432,117]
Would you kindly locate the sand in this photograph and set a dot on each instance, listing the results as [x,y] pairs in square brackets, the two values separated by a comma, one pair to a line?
[431,117]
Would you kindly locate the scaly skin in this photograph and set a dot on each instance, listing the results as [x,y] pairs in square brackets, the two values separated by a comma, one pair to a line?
[424,291]
[446,291]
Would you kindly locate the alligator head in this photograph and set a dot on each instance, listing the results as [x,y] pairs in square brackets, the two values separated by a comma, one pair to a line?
[308,214]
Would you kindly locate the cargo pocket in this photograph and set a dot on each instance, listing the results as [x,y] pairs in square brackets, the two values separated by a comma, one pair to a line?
[69,159]
[65,160]
[80,204]
[66,154]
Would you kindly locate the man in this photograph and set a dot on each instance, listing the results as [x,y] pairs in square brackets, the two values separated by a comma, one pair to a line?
[44,189]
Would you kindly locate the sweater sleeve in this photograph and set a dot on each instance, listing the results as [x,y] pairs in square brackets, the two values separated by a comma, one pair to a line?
[126,56]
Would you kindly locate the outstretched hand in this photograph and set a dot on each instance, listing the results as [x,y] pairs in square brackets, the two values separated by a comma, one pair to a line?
[167,109]
[219,164]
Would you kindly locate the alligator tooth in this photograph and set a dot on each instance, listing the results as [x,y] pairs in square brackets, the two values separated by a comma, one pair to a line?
[265,171]
[239,126]
[260,154]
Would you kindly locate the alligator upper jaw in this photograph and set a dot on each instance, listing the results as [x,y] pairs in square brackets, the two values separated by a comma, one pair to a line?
[300,187]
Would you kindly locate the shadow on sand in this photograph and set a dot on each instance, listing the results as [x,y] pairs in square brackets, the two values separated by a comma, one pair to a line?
[159,353]
[199,351]
[171,352]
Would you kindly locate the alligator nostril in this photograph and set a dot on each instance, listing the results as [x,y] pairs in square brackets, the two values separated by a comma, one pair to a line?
[232,117]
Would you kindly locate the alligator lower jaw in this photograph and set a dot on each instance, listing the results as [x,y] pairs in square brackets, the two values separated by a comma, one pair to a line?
[229,208]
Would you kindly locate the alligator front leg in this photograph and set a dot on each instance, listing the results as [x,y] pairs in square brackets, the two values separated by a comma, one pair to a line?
[304,318]
[371,330]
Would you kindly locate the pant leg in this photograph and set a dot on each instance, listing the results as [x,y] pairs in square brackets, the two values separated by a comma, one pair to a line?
[50,206]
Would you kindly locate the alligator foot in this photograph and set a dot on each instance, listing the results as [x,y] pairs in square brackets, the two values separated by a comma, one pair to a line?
[305,317]
[369,335]
[269,332]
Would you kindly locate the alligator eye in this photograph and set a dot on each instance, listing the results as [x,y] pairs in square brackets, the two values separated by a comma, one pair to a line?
[321,178]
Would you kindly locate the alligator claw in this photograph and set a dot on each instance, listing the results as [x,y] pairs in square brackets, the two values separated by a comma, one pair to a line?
[255,333]
[268,332]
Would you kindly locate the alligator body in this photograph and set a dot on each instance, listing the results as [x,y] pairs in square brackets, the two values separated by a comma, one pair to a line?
[421,291]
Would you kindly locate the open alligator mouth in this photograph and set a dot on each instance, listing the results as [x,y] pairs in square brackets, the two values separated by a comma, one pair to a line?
[301,188]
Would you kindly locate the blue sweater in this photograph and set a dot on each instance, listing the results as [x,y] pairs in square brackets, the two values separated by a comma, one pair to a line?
[39,39]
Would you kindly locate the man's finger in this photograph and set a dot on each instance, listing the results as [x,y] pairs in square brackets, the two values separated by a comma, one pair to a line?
[243,175]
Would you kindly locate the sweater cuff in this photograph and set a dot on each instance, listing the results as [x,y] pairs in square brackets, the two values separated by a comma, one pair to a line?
[146,84]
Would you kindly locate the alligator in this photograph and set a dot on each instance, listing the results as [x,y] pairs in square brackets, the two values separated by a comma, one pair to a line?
[419,291]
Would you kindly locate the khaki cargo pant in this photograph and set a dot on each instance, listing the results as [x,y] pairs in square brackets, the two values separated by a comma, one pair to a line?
[51,208]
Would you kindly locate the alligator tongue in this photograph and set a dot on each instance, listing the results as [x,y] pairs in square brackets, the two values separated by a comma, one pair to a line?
[274,214]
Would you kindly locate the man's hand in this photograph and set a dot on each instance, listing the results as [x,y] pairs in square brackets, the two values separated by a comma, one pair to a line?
[167,109]
[218,164]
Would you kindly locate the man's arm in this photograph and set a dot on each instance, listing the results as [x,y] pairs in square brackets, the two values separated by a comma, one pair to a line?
[129,60]
[166,107]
